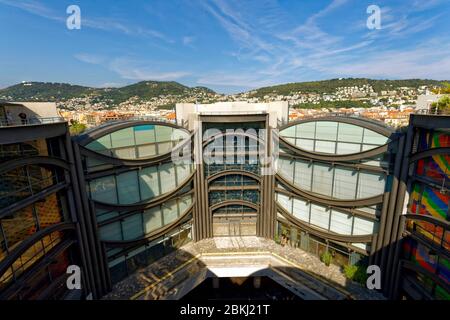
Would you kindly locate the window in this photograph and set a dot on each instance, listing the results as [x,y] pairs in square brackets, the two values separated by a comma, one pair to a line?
[301,210]
[370,184]
[320,216]
[132,227]
[104,189]
[167,175]
[322,179]
[341,222]
[149,182]
[152,219]
[128,188]
[344,183]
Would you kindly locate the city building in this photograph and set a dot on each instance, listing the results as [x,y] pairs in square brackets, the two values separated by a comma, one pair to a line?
[137,190]
[40,234]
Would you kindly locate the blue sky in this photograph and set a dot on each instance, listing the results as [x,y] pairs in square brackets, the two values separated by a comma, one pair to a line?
[227,45]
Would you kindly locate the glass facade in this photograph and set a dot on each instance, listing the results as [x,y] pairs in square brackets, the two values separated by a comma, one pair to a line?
[139,185]
[333,180]
[333,137]
[139,142]
[146,207]
[236,148]
[133,238]
[33,198]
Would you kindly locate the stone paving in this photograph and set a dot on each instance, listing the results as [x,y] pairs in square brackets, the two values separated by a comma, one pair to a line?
[189,257]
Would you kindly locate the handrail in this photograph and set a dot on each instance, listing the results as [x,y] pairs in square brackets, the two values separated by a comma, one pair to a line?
[31,121]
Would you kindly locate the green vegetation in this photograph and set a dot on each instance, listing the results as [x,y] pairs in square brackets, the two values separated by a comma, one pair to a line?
[334,104]
[145,90]
[76,128]
[357,273]
[444,90]
[44,91]
[442,106]
[329,86]
[326,258]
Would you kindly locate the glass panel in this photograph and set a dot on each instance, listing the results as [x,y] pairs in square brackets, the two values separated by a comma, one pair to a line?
[19,226]
[370,184]
[127,187]
[184,203]
[111,231]
[167,175]
[322,179]
[125,153]
[320,216]
[183,171]
[306,130]
[122,138]
[325,146]
[104,189]
[326,130]
[285,202]
[286,168]
[341,222]
[305,144]
[152,219]
[301,210]
[163,133]
[101,144]
[350,133]
[164,147]
[132,227]
[302,176]
[170,212]
[347,148]
[144,134]
[363,226]
[149,185]
[344,183]
[146,151]
[372,137]
[288,132]
[103,215]
[49,211]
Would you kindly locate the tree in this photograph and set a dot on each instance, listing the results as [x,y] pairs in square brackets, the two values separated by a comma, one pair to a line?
[442,106]
[444,90]
[76,128]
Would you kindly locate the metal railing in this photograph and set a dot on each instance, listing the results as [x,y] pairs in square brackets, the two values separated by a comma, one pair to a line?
[30,121]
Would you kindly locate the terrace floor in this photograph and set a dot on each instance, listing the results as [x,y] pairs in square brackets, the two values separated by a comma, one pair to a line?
[176,274]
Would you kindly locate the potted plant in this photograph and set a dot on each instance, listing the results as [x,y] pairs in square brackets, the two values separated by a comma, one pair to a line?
[326,258]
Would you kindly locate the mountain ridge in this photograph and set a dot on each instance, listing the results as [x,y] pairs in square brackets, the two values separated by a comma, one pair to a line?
[146,90]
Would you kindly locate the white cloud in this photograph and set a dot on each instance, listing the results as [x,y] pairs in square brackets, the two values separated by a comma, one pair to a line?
[135,70]
[98,23]
[89,58]
[188,40]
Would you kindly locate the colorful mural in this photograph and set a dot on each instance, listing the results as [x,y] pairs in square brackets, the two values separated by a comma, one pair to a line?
[423,257]
[430,202]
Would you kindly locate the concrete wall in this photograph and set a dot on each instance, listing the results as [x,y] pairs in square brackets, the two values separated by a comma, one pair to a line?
[36,109]
[278,110]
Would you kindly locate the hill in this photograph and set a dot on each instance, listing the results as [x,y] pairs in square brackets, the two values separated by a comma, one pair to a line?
[145,90]
[329,86]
